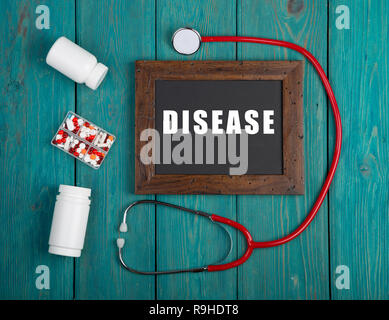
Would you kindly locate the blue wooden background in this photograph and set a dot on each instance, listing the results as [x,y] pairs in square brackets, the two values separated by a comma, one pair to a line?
[351,228]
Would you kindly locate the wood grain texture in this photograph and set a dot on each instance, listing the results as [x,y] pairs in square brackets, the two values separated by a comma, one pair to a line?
[291,181]
[359,198]
[118,33]
[299,269]
[184,240]
[34,100]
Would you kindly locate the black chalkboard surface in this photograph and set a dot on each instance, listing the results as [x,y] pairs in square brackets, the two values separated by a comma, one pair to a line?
[219,127]
[264,150]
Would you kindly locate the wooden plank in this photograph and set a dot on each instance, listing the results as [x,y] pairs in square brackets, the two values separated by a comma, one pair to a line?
[184,240]
[298,270]
[118,33]
[359,211]
[34,101]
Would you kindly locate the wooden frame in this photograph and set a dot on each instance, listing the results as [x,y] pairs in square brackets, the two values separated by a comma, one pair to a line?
[291,75]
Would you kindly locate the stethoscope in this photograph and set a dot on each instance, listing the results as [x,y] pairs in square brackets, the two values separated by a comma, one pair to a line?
[187,41]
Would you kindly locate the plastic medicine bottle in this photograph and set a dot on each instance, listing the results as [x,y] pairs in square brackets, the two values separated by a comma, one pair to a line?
[76,63]
[70,219]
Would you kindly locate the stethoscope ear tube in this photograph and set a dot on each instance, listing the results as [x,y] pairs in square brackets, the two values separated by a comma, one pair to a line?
[249,240]
[149,273]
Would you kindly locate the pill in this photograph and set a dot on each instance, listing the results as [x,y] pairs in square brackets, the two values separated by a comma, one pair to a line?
[103,137]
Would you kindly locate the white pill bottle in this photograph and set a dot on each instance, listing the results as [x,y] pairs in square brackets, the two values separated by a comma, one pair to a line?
[76,63]
[70,219]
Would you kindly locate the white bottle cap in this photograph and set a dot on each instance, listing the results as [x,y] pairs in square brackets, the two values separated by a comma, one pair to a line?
[75,191]
[96,76]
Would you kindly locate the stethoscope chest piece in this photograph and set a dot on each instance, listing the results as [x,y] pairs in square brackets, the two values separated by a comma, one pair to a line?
[186,41]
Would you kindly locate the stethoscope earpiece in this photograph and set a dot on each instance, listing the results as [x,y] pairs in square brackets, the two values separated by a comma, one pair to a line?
[186,41]
[123,227]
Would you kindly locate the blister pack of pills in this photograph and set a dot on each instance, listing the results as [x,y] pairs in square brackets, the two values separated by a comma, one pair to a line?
[83,140]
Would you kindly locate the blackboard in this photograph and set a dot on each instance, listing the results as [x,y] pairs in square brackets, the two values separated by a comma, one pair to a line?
[265,150]
[261,98]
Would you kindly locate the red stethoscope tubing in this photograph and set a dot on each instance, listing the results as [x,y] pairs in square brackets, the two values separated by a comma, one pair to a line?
[251,244]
